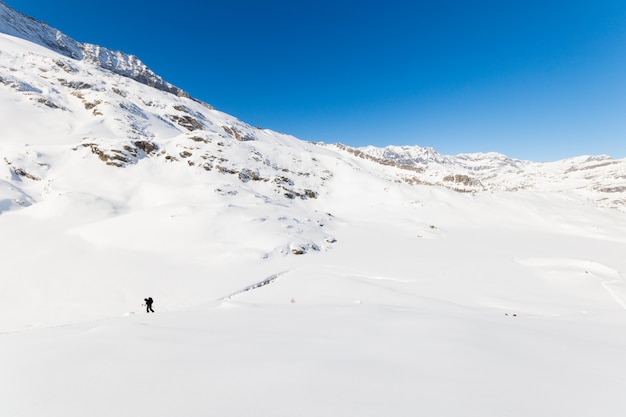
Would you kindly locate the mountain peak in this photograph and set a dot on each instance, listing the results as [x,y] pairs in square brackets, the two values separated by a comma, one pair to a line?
[16,24]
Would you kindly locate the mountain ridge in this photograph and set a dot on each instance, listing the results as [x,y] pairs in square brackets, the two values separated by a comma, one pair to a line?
[600,177]
[20,25]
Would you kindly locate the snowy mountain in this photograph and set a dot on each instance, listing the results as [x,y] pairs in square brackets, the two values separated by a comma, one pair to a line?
[289,278]
[598,178]
[19,25]
[107,112]
[87,95]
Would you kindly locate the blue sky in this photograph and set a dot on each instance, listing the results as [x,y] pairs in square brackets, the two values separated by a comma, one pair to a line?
[538,80]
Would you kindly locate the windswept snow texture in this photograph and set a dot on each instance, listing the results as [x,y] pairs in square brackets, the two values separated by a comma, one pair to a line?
[289,278]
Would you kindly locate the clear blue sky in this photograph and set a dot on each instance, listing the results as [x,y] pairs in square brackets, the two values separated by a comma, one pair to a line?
[539,80]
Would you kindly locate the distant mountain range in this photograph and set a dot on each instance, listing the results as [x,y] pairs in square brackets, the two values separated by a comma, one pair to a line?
[600,178]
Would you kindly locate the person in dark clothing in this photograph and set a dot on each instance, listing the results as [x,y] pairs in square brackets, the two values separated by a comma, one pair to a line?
[149,302]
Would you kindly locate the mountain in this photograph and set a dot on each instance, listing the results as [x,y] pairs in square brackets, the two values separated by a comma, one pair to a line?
[86,95]
[599,178]
[288,277]
[19,25]
[101,106]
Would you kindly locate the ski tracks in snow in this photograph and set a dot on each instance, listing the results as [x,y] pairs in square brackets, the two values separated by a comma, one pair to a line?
[609,278]
[254,286]
[320,270]
[608,281]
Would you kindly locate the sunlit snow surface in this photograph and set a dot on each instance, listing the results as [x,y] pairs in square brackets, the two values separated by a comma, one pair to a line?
[496,311]
[407,300]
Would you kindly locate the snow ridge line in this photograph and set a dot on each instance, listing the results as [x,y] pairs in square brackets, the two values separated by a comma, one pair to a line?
[255,286]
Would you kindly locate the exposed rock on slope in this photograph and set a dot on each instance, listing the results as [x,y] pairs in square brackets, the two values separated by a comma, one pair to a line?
[22,26]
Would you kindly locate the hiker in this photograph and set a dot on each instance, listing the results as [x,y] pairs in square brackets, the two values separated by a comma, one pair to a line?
[149,302]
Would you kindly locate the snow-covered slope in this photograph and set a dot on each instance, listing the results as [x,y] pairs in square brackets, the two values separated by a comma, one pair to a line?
[289,278]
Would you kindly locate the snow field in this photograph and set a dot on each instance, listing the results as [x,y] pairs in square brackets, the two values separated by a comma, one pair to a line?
[236,359]
[470,317]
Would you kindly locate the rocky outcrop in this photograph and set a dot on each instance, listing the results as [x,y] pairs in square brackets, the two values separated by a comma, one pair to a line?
[25,27]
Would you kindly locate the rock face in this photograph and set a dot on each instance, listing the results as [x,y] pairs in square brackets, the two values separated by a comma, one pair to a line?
[16,24]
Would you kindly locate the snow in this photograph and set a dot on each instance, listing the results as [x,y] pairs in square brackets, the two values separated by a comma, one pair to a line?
[598,177]
[406,300]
